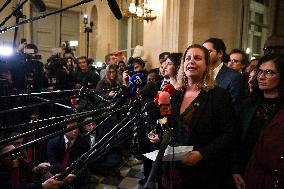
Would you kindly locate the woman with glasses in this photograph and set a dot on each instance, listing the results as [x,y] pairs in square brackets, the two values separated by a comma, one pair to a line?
[110,80]
[258,111]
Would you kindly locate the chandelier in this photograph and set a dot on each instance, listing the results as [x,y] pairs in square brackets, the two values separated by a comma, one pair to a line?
[141,10]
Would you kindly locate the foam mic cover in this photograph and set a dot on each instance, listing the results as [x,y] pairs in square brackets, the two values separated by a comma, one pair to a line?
[114,9]
[39,4]
[164,98]
[169,88]
[137,82]
[165,103]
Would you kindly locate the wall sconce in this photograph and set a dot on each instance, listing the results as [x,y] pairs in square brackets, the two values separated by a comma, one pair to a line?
[140,11]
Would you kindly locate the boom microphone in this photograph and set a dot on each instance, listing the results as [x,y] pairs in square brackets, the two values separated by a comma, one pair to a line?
[114,9]
[39,4]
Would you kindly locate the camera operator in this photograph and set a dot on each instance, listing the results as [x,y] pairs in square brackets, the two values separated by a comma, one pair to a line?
[85,74]
[27,69]
[22,46]
[56,74]
[135,65]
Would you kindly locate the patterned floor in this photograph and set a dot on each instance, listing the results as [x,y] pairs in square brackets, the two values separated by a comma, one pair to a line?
[131,173]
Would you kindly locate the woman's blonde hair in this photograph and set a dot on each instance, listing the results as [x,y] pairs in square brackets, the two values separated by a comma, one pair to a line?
[207,80]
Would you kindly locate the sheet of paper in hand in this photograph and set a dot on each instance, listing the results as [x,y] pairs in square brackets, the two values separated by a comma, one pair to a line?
[171,154]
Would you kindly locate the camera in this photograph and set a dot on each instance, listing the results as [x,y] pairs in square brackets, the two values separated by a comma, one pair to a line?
[55,63]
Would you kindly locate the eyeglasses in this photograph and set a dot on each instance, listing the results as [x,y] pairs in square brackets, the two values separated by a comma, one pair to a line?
[267,73]
[234,61]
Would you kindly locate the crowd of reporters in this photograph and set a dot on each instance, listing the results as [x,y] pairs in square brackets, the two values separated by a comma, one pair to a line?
[224,105]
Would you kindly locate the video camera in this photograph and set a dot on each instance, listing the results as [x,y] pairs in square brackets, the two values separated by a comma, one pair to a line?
[55,62]
[30,54]
[68,47]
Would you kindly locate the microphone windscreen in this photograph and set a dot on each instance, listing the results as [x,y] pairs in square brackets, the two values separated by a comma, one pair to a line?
[169,88]
[114,9]
[137,82]
[150,90]
[39,4]
[164,98]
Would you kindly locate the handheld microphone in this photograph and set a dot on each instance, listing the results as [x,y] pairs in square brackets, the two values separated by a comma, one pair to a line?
[169,88]
[136,83]
[165,103]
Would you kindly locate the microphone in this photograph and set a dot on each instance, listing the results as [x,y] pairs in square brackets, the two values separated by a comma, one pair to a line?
[114,9]
[169,88]
[149,91]
[136,83]
[39,4]
[165,103]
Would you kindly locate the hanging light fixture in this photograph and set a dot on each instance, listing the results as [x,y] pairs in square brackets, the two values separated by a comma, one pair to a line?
[140,10]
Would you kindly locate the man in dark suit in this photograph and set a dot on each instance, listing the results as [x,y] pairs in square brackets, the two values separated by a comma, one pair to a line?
[64,149]
[225,77]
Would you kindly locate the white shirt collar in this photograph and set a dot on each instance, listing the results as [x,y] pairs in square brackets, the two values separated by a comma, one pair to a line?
[66,140]
[216,70]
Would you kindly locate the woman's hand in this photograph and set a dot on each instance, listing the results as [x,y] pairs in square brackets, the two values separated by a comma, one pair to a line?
[192,158]
[112,94]
[125,77]
[239,181]
[153,137]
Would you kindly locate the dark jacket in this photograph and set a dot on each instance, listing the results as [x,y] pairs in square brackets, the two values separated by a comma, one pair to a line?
[212,129]
[91,77]
[265,169]
[56,149]
[232,81]
[242,152]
